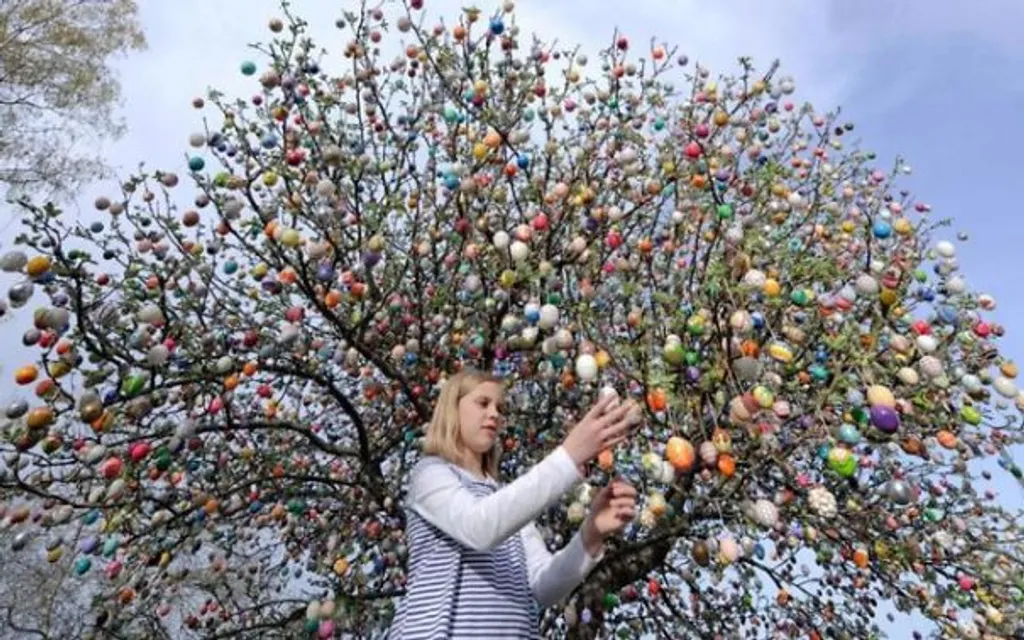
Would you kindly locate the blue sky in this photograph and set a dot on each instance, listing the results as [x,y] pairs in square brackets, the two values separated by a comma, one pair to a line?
[937,82]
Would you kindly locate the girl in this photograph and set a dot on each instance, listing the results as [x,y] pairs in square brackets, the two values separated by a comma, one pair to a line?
[477,564]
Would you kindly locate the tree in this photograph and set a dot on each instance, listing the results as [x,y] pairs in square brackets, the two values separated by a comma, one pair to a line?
[58,92]
[238,383]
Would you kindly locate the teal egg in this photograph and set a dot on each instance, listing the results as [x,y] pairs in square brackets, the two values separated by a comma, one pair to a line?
[82,565]
[248,67]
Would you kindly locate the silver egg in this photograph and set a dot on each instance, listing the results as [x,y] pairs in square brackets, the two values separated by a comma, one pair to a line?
[20,293]
[898,491]
[17,408]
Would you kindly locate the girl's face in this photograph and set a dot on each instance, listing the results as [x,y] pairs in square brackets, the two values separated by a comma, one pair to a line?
[480,418]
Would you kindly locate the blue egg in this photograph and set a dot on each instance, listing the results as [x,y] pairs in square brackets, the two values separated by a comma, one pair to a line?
[497,26]
[522,161]
[855,397]
[758,320]
[230,267]
[451,183]
[849,434]
[881,229]
[533,315]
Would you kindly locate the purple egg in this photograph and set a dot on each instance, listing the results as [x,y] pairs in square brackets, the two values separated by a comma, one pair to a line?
[885,419]
[88,545]
[371,258]
[692,374]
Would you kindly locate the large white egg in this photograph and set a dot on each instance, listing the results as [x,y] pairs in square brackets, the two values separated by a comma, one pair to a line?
[548,316]
[586,367]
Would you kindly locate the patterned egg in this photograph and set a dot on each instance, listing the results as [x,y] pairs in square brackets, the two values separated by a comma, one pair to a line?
[822,502]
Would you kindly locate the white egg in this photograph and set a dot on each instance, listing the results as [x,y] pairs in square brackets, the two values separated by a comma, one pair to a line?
[501,240]
[866,285]
[927,343]
[586,367]
[548,316]
[945,249]
[519,251]
[1005,387]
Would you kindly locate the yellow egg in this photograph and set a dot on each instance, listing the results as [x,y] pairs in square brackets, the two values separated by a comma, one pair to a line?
[37,265]
[340,566]
[58,369]
[903,227]
[780,352]
[602,358]
[479,151]
[290,238]
[1008,369]
[771,288]
[880,396]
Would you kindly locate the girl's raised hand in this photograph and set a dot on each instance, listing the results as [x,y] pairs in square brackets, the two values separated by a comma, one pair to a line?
[601,428]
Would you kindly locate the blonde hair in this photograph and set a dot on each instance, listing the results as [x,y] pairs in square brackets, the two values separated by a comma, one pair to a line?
[444,438]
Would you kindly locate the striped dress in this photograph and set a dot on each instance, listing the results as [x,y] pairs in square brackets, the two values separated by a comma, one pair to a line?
[456,592]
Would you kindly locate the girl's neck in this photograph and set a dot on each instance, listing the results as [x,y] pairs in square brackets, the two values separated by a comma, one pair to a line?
[473,463]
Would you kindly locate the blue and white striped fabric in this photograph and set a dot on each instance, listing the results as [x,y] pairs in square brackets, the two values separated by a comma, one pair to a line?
[455,592]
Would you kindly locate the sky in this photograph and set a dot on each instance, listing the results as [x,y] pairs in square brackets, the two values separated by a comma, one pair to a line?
[936,81]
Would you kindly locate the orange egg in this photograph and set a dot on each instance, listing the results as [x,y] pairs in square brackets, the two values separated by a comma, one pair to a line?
[231,382]
[26,375]
[947,439]
[656,400]
[680,453]
[606,460]
[288,276]
[492,139]
[860,558]
[250,368]
[332,299]
[726,465]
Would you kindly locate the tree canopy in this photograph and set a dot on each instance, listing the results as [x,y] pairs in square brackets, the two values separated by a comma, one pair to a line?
[58,93]
[235,380]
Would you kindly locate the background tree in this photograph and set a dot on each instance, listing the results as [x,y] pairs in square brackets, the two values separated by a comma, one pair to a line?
[236,385]
[58,92]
